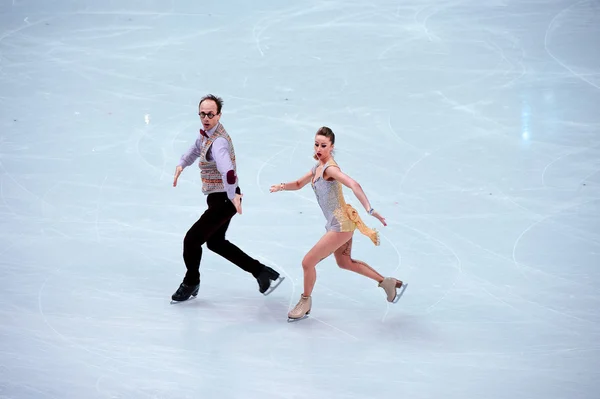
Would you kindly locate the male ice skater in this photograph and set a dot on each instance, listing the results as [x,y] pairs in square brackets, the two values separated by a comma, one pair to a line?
[218,173]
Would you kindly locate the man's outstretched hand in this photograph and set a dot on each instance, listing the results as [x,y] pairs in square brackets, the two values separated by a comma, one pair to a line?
[178,171]
[237,202]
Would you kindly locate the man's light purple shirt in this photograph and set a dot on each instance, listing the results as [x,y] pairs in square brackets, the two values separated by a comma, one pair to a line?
[219,152]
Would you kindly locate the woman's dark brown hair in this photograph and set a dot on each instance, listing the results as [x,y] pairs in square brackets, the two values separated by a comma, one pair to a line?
[327,132]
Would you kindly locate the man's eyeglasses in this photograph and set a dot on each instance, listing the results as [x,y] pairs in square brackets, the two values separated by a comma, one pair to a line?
[210,115]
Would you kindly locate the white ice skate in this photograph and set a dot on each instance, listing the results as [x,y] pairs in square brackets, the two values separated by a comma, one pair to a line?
[389,285]
[301,310]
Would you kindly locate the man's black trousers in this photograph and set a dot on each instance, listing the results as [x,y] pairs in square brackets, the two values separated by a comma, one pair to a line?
[211,229]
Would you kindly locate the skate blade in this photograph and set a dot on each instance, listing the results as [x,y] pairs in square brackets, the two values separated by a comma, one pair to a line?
[187,300]
[398,295]
[193,296]
[290,320]
[274,285]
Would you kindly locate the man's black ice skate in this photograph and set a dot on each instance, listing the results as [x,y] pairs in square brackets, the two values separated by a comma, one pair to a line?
[184,292]
[268,280]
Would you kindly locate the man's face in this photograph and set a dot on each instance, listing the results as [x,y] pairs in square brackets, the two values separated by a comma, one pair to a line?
[208,109]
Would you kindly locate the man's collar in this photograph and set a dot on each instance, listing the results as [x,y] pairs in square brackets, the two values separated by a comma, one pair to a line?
[211,131]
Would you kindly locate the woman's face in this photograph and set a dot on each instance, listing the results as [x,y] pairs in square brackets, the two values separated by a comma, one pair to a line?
[323,147]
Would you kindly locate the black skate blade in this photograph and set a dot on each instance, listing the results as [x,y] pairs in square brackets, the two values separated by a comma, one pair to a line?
[399,294]
[274,284]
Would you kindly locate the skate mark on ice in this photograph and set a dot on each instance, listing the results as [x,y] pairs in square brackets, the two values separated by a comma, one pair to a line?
[400,139]
[458,264]
[29,25]
[271,19]
[552,163]
[504,257]
[423,25]
[557,324]
[586,177]
[3,198]
[411,167]
[265,163]
[144,133]
[384,52]
[334,327]
[294,151]
[522,267]
[40,200]
[508,198]
[558,61]
[63,337]
[340,295]
[97,219]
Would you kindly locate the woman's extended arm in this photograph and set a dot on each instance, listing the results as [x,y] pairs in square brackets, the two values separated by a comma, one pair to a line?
[294,185]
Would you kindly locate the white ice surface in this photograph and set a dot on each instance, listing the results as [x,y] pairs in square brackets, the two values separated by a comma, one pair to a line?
[473,126]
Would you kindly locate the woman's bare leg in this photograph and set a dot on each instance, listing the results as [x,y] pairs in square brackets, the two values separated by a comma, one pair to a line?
[343,257]
[330,242]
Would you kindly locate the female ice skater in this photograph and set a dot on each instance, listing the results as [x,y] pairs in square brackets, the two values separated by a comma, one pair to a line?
[326,179]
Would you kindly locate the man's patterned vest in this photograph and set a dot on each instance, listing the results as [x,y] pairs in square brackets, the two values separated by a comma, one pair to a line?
[212,181]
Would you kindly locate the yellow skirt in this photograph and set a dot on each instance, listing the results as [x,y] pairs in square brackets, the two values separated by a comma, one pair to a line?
[353,215]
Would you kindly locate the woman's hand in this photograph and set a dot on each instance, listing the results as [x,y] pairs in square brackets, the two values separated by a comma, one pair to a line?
[379,217]
[277,187]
